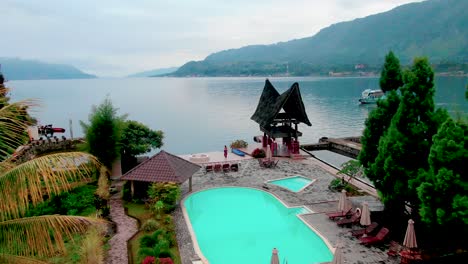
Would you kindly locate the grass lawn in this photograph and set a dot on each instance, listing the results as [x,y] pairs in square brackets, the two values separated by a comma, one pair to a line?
[139,212]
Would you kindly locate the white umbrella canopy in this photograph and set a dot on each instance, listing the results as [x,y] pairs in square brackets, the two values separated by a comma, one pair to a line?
[338,256]
[343,202]
[410,236]
[274,257]
[365,215]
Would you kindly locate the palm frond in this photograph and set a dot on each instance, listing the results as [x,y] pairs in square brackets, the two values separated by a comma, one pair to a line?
[12,259]
[13,123]
[34,181]
[42,236]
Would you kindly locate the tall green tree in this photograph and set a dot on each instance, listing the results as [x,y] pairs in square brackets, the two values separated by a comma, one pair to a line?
[391,77]
[376,125]
[404,149]
[137,139]
[379,119]
[444,192]
[104,132]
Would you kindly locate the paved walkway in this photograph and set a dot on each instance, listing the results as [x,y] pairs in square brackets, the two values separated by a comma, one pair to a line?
[126,227]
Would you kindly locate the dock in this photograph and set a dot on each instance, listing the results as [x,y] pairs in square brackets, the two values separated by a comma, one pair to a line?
[348,146]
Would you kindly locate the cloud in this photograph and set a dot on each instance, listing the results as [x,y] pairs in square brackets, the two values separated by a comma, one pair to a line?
[118,37]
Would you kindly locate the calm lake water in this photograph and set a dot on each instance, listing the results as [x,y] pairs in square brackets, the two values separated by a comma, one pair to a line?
[204,114]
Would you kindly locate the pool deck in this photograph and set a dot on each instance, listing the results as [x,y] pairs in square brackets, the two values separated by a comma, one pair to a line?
[317,197]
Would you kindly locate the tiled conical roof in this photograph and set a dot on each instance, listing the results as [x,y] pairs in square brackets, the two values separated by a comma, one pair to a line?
[162,167]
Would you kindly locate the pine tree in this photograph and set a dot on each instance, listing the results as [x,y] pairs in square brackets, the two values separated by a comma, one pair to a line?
[391,77]
[379,119]
[444,192]
[404,149]
[103,133]
[376,126]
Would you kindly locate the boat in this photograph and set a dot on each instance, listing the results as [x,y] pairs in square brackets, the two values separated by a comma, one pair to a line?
[238,152]
[371,96]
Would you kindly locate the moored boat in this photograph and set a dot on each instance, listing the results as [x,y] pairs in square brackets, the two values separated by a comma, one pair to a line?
[371,96]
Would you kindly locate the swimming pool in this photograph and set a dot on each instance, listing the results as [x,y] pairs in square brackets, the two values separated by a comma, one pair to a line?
[243,225]
[294,184]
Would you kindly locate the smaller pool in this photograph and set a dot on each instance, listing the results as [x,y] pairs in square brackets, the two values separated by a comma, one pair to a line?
[294,184]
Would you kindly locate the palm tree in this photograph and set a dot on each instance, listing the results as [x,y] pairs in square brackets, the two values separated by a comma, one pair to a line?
[25,239]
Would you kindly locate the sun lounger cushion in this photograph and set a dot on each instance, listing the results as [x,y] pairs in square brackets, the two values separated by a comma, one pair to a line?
[375,239]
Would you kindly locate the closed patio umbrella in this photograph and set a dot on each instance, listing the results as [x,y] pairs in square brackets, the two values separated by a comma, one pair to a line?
[274,257]
[343,202]
[365,215]
[268,153]
[410,236]
[338,256]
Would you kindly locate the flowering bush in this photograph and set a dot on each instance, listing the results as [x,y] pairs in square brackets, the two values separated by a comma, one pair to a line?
[239,144]
[149,260]
[258,153]
[166,261]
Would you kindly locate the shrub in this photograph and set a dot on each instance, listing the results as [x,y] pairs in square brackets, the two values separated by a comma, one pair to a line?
[239,144]
[79,201]
[165,261]
[258,153]
[150,225]
[91,250]
[168,193]
[150,240]
[167,219]
[149,260]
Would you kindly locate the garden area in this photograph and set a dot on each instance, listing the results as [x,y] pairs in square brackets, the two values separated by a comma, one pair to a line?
[155,242]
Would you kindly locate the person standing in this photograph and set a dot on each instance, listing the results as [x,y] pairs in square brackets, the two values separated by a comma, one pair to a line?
[225,152]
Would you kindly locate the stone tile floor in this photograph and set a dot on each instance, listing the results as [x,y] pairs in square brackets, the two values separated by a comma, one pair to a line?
[317,197]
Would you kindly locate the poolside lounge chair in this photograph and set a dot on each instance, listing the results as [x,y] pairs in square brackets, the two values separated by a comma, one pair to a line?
[349,221]
[226,167]
[340,214]
[367,230]
[379,238]
[208,168]
[217,168]
[234,167]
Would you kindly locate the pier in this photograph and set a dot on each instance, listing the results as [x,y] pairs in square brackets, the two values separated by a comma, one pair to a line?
[348,146]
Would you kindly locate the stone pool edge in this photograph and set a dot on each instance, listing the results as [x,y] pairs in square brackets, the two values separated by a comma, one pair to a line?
[196,247]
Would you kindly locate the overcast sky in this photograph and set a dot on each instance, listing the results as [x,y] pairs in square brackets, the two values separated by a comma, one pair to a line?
[120,37]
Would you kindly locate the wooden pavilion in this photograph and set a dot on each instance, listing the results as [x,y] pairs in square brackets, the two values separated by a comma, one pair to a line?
[278,115]
[162,167]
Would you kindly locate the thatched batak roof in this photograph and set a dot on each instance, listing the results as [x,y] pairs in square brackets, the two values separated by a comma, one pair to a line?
[271,103]
[162,167]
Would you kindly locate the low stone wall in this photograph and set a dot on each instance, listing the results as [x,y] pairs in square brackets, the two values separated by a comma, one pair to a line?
[40,147]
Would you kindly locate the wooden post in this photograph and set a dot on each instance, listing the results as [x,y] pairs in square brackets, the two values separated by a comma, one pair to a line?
[190,184]
[132,188]
[296,132]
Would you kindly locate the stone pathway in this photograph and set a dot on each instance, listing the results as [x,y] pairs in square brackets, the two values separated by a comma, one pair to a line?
[126,228]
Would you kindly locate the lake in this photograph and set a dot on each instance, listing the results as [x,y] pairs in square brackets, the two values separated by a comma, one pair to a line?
[204,114]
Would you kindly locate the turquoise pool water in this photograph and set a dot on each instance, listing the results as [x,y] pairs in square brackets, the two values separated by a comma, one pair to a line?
[294,184]
[243,225]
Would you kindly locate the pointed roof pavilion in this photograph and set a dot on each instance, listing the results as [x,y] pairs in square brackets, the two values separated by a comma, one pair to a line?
[163,167]
[268,113]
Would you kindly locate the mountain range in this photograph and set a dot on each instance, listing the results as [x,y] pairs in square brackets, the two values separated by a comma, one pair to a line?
[19,69]
[437,29]
[155,72]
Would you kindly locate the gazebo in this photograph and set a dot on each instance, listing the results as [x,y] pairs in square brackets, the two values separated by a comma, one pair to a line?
[162,167]
[279,115]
